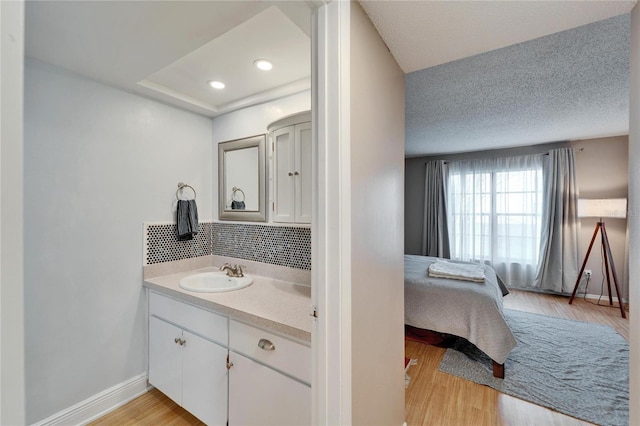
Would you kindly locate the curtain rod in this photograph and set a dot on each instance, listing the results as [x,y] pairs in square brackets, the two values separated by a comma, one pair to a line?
[545,153]
[575,149]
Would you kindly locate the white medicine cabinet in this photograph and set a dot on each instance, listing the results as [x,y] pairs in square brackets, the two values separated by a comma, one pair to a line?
[291,149]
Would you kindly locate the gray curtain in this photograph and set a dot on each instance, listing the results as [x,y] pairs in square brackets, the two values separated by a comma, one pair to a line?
[559,256]
[435,234]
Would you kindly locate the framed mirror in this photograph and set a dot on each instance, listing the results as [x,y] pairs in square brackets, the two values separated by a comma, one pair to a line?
[242,183]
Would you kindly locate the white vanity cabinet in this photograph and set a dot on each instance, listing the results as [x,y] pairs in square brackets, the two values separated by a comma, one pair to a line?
[268,379]
[291,144]
[190,369]
[226,372]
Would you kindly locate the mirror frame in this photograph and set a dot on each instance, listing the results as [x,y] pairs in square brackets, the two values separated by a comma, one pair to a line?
[258,141]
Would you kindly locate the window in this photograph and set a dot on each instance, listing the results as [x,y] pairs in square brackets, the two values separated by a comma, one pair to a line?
[495,214]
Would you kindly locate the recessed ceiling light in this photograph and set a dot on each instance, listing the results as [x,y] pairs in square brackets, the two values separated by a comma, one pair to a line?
[216,84]
[263,64]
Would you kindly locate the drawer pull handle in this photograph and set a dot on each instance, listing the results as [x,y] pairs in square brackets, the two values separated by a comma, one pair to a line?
[266,345]
[179,341]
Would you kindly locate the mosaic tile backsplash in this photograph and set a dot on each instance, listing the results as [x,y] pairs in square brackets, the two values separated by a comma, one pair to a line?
[162,243]
[276,245]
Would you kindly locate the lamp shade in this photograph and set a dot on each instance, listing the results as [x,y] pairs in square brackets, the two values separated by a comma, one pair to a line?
[610,207]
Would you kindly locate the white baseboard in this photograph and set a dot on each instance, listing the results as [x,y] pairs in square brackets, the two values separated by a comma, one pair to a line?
[100,404]
[597,296]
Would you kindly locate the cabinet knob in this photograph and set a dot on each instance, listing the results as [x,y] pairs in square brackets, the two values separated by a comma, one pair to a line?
[179,341]
[296,173]
[266,345]
[290,174]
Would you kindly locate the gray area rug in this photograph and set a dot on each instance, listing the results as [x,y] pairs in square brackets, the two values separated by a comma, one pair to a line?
[576,368]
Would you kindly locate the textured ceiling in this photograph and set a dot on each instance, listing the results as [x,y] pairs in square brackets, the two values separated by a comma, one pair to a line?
[569,85]
[422,34]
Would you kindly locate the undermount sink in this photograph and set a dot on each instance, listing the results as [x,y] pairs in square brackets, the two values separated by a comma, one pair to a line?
[214,282]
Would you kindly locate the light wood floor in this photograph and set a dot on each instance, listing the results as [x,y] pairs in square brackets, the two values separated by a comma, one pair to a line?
[151,409]
[435,398]
[432,398]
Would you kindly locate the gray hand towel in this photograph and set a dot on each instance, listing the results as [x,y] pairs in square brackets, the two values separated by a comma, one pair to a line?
[187,219]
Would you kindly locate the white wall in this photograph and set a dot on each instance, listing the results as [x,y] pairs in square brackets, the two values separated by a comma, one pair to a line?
[11,222]
[634,219]
[377,226]
[98,162]
[253,121]
[331,385]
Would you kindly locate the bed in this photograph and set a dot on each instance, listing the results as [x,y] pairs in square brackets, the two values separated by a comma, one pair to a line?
[465,309]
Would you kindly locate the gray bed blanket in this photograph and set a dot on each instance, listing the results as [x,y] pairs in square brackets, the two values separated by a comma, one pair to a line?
[463,308]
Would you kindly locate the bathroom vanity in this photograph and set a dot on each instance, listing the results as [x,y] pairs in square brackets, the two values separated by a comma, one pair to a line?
[241,357]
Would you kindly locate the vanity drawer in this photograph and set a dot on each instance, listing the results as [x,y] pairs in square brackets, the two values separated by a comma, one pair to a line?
[199,321]
[285,355]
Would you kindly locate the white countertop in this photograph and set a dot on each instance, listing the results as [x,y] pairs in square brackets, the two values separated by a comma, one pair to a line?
[278,305]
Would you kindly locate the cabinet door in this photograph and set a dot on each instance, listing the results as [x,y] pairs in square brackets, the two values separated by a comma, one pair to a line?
[261,396]
[165,358]
[204,380]
[302,173]
[283,174]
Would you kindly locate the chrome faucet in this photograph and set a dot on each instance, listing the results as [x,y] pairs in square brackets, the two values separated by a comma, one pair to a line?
[232,271]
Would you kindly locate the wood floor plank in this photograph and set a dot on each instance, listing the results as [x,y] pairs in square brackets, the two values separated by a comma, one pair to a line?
[151,409]
[459,406]
[433,398]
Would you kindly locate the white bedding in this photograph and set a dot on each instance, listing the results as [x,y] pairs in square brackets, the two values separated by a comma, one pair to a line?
[456,271]
[472,310]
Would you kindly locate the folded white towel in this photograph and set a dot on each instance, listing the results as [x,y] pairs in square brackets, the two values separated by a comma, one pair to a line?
[457,271]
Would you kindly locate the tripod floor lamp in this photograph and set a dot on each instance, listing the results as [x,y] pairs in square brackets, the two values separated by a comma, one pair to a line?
[602,208]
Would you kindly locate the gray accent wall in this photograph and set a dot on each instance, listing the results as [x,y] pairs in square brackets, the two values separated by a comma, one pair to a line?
[414,186]
[602,172]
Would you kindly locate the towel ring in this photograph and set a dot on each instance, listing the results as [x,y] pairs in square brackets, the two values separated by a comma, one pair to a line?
[233,194]
[182,185]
